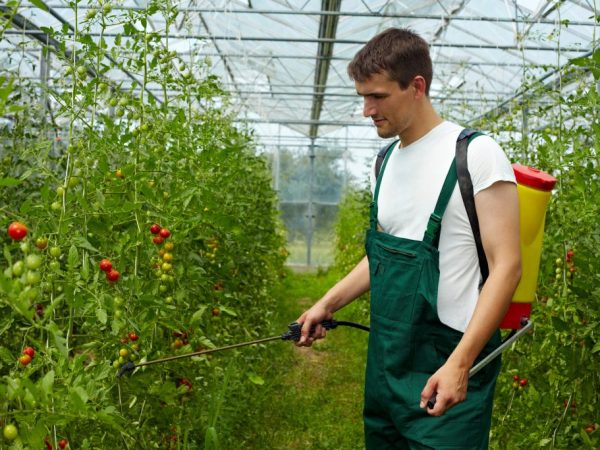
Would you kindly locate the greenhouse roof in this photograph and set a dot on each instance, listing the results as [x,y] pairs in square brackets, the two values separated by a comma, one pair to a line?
[284,62]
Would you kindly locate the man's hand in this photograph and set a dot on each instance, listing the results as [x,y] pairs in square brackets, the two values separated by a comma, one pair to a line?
[314,316]
[449,384]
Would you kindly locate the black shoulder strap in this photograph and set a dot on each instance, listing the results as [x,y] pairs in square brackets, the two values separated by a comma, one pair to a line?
[466,191]
[381,157]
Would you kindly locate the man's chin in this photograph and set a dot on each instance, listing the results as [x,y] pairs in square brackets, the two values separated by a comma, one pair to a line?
[385,134]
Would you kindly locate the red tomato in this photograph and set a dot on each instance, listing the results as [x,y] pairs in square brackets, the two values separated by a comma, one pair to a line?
[29,351]
[25,360]
[112,275]
[155,228]
[164,232]
[105,265]
[523,382]
[134,337]
[17,231]
[157,240]
[63,443]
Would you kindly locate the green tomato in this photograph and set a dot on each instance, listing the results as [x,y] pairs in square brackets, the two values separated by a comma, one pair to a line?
[60,191]
[56,206]
[31,292]
[116,364]
[17,268]
[118,301]
[54,266]
[25,247]
[33,261]
[32,277]
[10,432]
[81,71]
[55,251]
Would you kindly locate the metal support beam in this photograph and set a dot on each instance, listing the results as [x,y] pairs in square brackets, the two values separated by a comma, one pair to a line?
[372,14]
[327,30]
[204,37]
[310,212]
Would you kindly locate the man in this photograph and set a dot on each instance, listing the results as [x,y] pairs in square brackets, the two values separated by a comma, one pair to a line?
[430,322]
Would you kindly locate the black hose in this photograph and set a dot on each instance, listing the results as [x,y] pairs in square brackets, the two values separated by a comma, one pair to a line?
[353,325]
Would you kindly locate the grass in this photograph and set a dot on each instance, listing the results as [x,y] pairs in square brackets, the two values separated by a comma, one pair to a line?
[321,255]
[311,397]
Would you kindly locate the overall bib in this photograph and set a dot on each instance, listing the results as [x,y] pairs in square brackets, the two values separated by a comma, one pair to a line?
[408,343]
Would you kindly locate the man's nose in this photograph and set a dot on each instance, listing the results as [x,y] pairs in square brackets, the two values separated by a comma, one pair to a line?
[368,108]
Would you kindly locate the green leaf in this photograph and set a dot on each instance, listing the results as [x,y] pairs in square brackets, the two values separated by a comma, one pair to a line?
[544,442]
[228,311]
[197,315]
[59,340]
[73,259]
[79,397]
[10,181]
[211,439]
[39,4]
[6,356]
[47,382]
[256,379]
[596,348]
[101,315]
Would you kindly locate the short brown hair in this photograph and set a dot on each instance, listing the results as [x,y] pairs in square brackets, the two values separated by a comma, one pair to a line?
[399,52]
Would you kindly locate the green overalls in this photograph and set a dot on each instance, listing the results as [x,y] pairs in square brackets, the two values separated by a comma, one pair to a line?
[408,343]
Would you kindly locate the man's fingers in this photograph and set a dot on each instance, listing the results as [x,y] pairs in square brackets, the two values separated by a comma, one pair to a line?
[428,392]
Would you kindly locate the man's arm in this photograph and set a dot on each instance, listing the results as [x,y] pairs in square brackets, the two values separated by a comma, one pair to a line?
[498,214]
[350,287]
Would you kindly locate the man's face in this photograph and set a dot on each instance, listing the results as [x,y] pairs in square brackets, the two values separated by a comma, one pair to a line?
[389,106]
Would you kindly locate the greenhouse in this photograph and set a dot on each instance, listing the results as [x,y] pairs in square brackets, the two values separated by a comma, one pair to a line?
[184,177]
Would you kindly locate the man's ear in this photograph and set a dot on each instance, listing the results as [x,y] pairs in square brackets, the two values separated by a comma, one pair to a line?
[419,85]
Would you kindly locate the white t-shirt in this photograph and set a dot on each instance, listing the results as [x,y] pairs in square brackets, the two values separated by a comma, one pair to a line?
[409,190]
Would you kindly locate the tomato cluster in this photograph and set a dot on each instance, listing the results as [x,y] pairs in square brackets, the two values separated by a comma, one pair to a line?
[112,275]
[27,356]
[129,350]
[26,271]
[62,444]
[160,234]
[518,382]
[163,263]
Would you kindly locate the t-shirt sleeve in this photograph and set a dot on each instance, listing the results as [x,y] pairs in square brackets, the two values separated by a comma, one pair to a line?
[487,164]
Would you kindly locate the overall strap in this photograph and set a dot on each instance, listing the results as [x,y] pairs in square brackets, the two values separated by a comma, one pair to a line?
[466,191]
[381,156]
[380,163]
[434,225]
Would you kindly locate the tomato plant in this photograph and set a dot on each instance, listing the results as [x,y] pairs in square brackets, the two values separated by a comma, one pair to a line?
[112,179]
